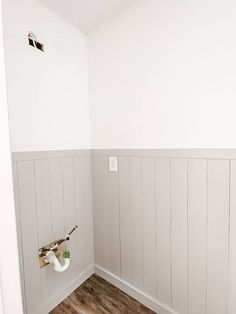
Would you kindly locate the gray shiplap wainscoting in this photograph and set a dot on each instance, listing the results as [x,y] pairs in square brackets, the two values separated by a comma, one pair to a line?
[165,227]
[52,194]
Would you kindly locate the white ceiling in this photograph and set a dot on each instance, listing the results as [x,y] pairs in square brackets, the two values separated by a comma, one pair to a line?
[87,15]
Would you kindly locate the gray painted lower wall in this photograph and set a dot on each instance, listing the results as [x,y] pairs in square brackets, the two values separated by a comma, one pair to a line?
[53,192]
[164,225]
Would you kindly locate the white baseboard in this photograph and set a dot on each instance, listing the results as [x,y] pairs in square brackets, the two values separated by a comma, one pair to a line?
[51,303]
[143,298]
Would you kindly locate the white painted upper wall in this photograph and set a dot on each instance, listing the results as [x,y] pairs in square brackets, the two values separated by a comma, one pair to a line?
[162,74]
[47,92]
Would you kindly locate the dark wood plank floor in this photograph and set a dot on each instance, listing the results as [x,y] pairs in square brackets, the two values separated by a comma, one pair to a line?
[97,296]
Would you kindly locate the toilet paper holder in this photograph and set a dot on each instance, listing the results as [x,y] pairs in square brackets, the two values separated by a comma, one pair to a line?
[54,247]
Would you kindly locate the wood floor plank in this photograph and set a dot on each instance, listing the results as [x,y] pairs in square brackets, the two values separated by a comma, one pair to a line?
[97,296]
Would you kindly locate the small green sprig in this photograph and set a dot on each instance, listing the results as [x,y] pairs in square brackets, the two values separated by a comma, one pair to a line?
[66,254]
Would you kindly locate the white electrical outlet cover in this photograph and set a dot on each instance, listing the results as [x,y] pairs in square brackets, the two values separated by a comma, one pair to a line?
[113,163]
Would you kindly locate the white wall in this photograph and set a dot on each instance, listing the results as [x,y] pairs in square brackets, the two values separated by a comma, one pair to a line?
[47,92]
[162,74]
[10,292]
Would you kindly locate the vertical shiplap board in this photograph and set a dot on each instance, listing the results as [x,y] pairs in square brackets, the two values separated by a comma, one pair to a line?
[19,232]
[105,217]
[114,225]
[56,191]
[136,222]
[218,233]
[83,211]
[42,184]
[68,192]
[101,219]
[197,219]
[29,227]
[44,216]
[163,231]
[57,208]
[232,259]
[80,210]
[69,210]
[97,210]
[179,234]
[89,211]
[125,219]
[149,226]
